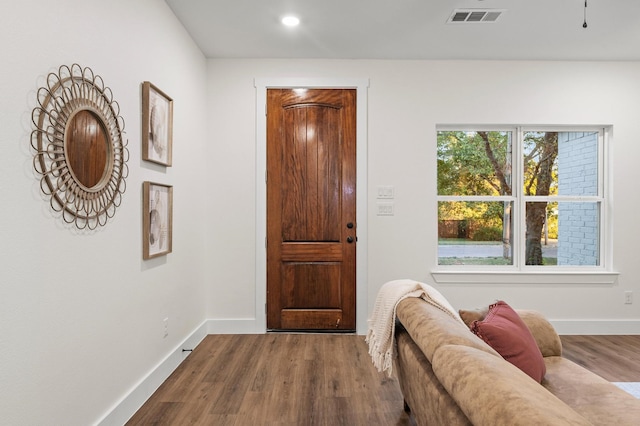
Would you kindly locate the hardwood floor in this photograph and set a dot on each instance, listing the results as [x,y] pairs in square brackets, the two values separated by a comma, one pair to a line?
[616,358]
[276,379]
[318,379]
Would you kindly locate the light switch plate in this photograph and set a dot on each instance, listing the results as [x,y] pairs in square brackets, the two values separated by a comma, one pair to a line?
[386,192]
[385,209]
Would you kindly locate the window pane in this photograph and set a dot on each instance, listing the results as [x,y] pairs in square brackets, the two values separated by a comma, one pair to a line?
[563,234]
[475,233]
[474,163]
[560,163]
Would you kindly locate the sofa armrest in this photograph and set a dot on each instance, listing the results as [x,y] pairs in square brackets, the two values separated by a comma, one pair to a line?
[546,337]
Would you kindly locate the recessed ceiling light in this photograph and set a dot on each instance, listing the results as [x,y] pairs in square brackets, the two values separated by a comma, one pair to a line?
[290,21]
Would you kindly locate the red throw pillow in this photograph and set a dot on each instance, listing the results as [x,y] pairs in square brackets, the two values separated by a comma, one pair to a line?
[504,331]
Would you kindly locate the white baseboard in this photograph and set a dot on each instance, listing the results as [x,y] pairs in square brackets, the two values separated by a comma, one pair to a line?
[137,396]
[596,327]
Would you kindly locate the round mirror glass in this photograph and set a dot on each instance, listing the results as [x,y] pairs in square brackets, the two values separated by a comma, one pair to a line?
[87,148]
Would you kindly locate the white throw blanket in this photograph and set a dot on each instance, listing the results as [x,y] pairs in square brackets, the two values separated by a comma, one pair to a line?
[383,319]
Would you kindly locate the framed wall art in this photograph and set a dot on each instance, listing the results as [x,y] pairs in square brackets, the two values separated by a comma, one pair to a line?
[157,125]
[157,219]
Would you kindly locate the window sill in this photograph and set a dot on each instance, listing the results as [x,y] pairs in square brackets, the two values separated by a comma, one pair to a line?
[596,278]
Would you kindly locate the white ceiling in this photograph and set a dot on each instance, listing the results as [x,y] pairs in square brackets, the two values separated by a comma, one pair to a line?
[413,29]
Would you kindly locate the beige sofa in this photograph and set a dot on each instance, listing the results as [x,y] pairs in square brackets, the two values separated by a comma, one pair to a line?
[449,376]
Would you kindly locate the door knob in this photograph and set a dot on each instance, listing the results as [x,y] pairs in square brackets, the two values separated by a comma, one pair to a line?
[349,240]
[350,225]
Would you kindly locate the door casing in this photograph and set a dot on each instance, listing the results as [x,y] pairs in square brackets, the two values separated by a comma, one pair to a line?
[361,86]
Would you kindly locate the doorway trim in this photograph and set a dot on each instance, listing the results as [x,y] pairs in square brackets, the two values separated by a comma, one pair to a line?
[361,86]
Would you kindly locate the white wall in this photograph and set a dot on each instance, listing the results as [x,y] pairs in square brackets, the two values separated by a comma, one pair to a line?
[406,100]
[81,312]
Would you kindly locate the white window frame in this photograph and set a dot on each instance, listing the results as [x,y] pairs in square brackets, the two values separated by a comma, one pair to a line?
[519,272]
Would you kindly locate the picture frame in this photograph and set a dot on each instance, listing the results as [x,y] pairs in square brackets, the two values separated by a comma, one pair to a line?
[157,219]
[157,125]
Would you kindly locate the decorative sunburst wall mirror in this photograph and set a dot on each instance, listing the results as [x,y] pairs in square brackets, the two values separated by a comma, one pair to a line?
[80,153]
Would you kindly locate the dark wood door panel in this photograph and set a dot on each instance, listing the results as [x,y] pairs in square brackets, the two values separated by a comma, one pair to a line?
[311,285]
[311,174]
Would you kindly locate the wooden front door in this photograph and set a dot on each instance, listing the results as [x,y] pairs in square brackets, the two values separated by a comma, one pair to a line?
[311,209]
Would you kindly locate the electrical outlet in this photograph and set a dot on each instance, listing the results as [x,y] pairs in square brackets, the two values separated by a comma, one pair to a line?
[165,323]
[628,297]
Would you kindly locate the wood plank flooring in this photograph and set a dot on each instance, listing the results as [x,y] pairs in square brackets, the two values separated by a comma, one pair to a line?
[277,379]
[318,379]
[616,358]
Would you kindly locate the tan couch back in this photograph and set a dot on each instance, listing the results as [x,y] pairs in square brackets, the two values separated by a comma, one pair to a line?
[430,328]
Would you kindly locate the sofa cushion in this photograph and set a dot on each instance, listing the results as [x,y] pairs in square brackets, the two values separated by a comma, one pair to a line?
[504,331]
[469,316]
[492,392]
[594,398]
[546,337]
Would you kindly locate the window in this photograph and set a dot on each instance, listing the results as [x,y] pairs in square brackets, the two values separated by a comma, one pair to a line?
[520,197]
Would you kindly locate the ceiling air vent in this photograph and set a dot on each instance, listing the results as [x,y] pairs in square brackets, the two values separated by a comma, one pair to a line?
[462,16]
